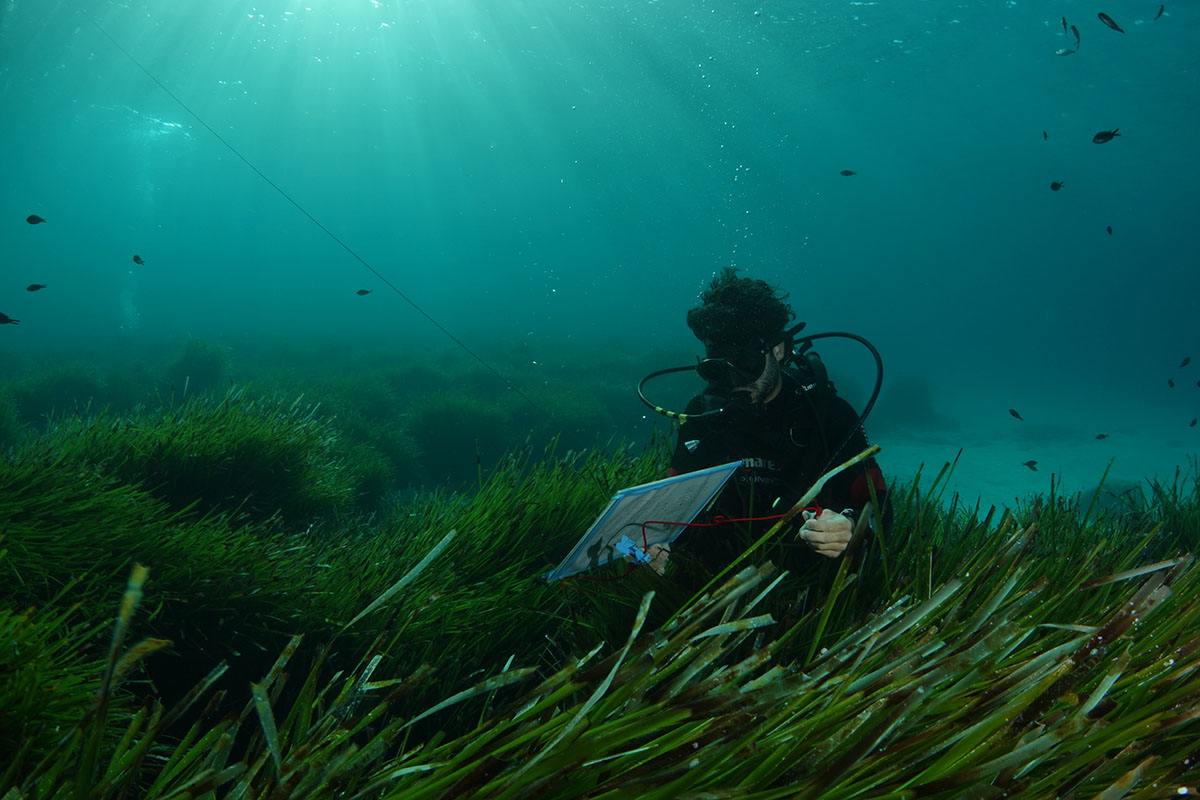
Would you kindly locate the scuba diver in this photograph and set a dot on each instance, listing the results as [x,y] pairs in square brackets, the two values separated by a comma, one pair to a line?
[768,403]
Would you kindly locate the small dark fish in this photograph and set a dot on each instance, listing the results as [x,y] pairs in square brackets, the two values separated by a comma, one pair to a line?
[1101,435]
[847,172]
[1107,20]
[1186,360]
[138,259]
[1045,136]
[362,292]
[34,219]
[5,319]
[33,287]
[1193,424]
[1055,185]
[1170,383]
[1109,229]
[1075,32]
[1105,136]
[1161,9]
[1031,464]
[1064,24]
[1013,411]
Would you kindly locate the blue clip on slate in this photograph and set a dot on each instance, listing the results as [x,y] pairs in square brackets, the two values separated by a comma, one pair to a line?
[628,547]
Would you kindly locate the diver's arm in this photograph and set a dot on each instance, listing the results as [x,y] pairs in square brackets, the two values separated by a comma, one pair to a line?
[851,490]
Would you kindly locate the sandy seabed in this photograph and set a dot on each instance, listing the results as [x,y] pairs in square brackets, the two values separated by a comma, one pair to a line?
[1143,442]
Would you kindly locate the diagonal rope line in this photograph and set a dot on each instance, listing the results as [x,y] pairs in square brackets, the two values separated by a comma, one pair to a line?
[315,221]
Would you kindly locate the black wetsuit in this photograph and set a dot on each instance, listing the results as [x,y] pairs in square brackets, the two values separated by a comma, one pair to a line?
[784,445]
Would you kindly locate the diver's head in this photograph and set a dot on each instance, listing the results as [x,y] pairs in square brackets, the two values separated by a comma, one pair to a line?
[743,323]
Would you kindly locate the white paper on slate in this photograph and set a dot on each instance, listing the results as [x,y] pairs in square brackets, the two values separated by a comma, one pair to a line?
[618,530]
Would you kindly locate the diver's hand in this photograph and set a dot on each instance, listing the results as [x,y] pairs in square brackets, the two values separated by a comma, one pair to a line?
[658,558]
[828,533]
[658,554]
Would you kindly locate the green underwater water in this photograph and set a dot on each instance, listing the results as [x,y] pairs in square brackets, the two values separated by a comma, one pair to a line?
[550,179]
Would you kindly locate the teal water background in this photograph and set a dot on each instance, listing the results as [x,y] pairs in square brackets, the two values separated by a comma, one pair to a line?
[570,174]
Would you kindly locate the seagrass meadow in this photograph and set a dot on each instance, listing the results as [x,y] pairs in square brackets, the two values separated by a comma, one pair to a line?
[213,594]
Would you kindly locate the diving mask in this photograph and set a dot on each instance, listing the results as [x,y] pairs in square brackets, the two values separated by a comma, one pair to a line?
[727,366]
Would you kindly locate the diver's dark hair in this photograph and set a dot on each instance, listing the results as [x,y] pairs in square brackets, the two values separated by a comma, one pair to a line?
[740,311]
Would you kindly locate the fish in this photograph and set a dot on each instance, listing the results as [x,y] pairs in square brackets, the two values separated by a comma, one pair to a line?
[1161,9]
[362,292]
[1055,185]
[1045,136]
[1013,411]
[1101,435]
[1186,360]
[1105,136]
[33,287]
[5,319]
[34,219]
[1075,31]
[1107,20]
[1064,51]
[1170,383]
[1031,464]
[1064,24]
[138,259]
[1193,424]
[1109,229]
[847,172]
